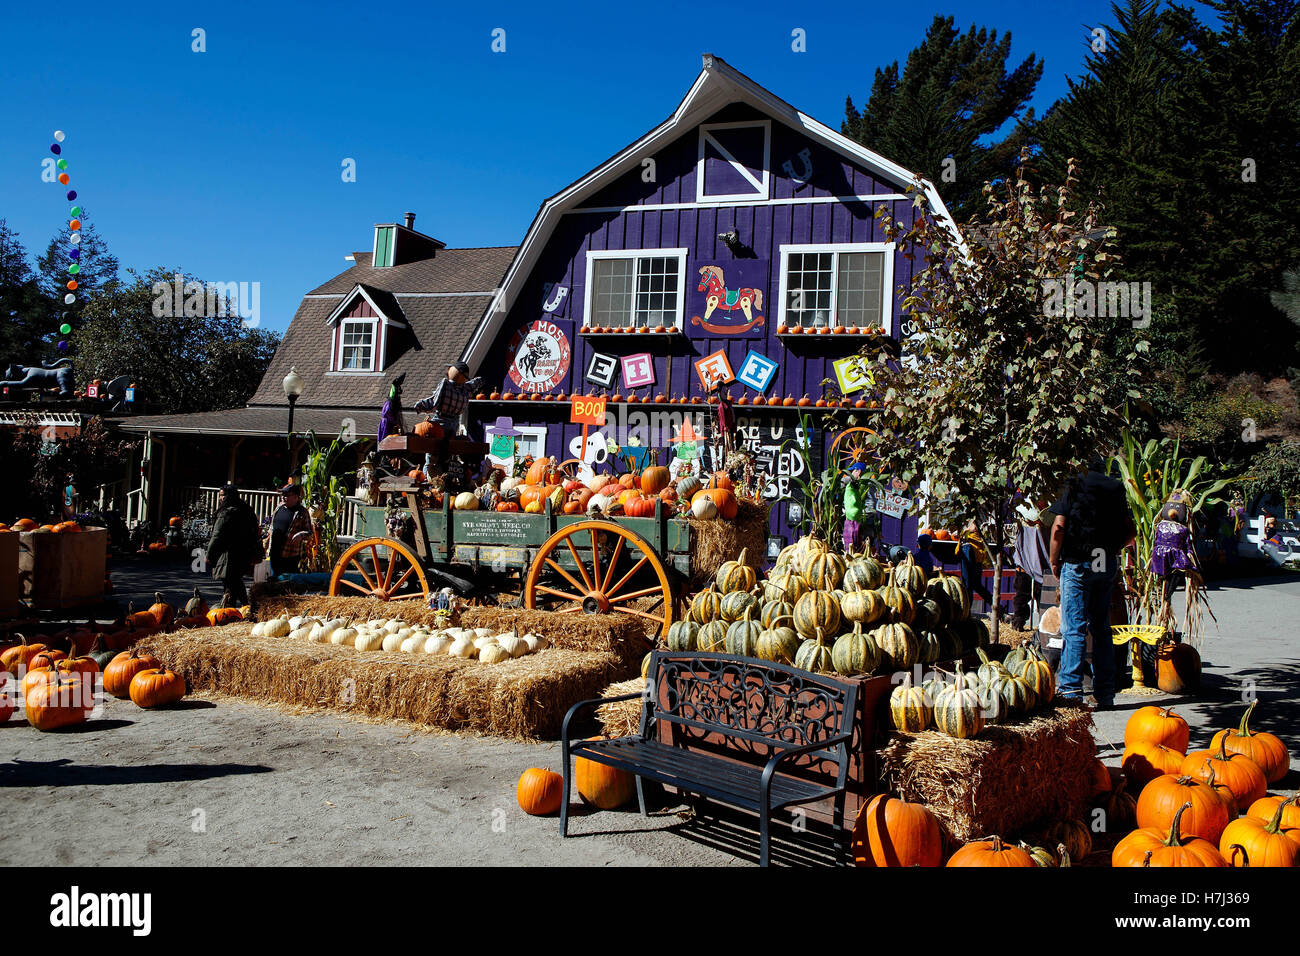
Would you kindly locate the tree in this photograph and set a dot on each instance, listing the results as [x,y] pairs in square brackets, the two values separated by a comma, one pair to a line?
[995,397]
[953,99]
[32,487]
[97,266]
[180,363]
[1275,470]
[26,317]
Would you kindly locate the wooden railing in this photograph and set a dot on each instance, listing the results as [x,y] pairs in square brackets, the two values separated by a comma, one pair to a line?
[204,498]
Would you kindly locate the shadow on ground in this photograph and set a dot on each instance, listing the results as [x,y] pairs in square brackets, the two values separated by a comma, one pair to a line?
[63,773]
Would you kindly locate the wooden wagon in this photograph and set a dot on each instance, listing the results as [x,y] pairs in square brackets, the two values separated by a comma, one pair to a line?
[562,562]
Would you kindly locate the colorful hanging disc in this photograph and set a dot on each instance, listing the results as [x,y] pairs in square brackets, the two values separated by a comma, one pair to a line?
[76,211]
[74,238]
[72,194]
[72,284]
[63,346]
[68,300]
[59,135]
[74,253]
[55,148]
[73,269]
[62,164]
[64,329]
[74,225]
[63,178]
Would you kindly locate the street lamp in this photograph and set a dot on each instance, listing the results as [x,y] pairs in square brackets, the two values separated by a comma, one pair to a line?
[293,385]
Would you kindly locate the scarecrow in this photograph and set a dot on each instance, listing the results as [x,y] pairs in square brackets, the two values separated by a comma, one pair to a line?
[1172,555]
[450,399]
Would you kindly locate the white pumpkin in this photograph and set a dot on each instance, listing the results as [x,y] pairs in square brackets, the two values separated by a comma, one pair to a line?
[595,482]
[438,644]
[465,501]
[535,642]
[516,646]
[462,648]
[393,626]
[300,634]
[704,508]
[482,642]
[296,622]
[369,642]
[484,632]
[494,654]
[413,645]
[393,642]
[510,484]
[277,628]
[340,635]
[599,503]
[257,630]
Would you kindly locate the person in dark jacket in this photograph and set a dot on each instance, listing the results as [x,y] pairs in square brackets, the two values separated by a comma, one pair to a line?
[236,544]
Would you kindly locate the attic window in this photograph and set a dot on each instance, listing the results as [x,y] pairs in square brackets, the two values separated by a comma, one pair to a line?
[733,161]
[357,349]
[383,257]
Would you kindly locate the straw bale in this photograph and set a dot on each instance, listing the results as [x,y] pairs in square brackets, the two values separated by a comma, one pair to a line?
[621,718]
[524,698]
[621,634]
[1008,780]
[713,542]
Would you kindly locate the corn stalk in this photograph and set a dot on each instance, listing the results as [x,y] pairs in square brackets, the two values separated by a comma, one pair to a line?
[324,490]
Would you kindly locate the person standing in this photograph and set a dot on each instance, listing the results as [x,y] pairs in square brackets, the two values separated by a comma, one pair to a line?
[290,532]
[69,499]
[236,544]
[1032,561]
[1092,526]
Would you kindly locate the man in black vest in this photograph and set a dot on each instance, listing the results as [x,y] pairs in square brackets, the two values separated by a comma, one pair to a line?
[1092,526]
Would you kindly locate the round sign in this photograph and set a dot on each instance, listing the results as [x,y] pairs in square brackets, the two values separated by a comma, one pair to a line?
[539,357]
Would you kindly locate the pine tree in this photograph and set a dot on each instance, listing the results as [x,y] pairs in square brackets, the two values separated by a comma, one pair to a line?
[26,318]
[951,101]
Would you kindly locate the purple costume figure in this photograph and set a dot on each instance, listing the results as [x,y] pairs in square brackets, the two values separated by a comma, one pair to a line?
[390,416]
[1171,551]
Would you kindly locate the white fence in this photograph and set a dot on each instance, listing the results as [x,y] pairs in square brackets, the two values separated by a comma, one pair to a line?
[204,498]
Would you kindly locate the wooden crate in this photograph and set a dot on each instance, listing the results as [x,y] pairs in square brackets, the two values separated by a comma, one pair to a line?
[57,571]
[8,572]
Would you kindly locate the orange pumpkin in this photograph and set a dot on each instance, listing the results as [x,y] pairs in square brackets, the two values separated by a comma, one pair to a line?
[428,429]
[1157,725]
[123,668]
[669,495]
[1206,814]
[417,475]
[893,832]
[639,507]
[724,500]
[67,699]
[1264,844]
[991,852]
[156,687]
[46,658]
[655,479]
[540,792]
[605,787]
[508,506]
[538,471]
[18,657]
[1144,761]
[24,524]
[1267,750]
[224,615]
[77,665]
[1152,847]
[536,494]
[162,611]
[1237,772]
[1264,808]
[722,480]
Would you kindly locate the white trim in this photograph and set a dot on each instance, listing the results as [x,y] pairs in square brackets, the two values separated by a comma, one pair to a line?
[374,246]
[716,85]
[680,253]
[886,276]
[440,295]
[337,366]
[347,302]
[733,203]
[764,187]
[352,373]
[529,431]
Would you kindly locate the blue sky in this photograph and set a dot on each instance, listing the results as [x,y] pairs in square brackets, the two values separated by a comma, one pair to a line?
[227,163]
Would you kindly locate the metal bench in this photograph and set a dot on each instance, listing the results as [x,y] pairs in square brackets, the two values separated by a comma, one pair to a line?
[745,732]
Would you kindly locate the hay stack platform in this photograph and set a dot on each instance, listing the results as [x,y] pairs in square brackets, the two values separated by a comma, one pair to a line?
[525,698]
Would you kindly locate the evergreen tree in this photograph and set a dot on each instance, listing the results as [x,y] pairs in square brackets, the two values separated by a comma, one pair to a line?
[25,312]
[953,99]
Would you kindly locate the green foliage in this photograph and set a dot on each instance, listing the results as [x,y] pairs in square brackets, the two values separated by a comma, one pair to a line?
[1226,420]
[27,324]
[98,267]
[821,494]
[1275,470]
[180,363]
[969,406]
[953,99]
[31,486]
[324,488]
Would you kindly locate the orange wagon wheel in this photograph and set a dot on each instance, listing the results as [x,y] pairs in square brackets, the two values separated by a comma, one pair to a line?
[611,568]
[852,447]
[394,572]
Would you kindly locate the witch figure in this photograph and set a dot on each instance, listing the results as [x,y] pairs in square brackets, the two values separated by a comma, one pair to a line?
[1172,558]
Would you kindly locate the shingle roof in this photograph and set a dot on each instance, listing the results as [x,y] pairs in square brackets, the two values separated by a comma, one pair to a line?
[440,325]
[266,420]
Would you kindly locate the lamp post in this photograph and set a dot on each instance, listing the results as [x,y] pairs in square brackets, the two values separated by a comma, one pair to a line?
[293,385]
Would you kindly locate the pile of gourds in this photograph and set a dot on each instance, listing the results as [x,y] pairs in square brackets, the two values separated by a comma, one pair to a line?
[828,613]
[1206,807]
[484,644]
[27,524]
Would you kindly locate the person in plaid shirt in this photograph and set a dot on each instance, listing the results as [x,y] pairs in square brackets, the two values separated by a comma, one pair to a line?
[290,532]
[450,399]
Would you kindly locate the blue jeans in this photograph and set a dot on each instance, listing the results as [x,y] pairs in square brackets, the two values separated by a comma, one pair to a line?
[1085,605]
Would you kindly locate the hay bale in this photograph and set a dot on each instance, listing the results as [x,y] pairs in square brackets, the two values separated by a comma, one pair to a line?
[713,542]
[620,634]
[525,698]
[621,718]
[1010,779]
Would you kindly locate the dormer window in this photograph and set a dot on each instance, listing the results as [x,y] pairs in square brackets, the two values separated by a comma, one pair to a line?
[384,238]
[361,330]
[357,351]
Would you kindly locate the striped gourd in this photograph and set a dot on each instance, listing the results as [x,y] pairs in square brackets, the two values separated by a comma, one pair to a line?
[863,607]
[898,603]
[910,707]
[736,575]
[955,592]
[989,669]
[736,603]
[815,655]
[1018,693]
[995,707]
[816,609]
[928,642]
[778,644]
[706,606]
[958,711]
[973,633]
[1038,674]
[712,637]
[899,649]
[863,574]
[825,571]
[742,636]
[855,653]
[1015,656]
[776,611]
[909,576]
[785,585]
[928,615]
[805,548]
[687,487]
[682,635]
[934,685]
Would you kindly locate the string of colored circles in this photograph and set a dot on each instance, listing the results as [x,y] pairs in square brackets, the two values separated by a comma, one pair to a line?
[74,236]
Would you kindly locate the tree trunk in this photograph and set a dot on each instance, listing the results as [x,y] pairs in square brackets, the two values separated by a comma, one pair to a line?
[995,612]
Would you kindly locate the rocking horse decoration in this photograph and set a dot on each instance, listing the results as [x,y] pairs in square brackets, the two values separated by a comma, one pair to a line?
[725,306]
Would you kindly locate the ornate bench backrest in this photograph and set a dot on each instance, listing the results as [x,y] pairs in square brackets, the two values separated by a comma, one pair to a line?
[745,699]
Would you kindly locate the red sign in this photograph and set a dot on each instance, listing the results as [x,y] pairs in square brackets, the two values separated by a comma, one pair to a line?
[588,411]
[539,356]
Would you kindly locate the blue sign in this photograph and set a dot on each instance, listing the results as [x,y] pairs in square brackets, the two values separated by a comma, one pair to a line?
[757,371]
[130,395]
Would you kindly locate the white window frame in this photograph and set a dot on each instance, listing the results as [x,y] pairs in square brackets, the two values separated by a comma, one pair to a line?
[886,277]
[374,343]
[537,432]
[765,186]
[680,253]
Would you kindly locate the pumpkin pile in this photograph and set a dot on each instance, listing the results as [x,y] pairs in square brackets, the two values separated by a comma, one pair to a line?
[1202,807]
[483,644]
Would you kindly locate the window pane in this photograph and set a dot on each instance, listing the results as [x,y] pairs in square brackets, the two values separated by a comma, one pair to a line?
[358,338]
[808,288]
[859,288]
[656,291]
[611,297]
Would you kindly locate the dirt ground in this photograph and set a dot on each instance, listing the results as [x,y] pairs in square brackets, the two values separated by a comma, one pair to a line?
[224,782]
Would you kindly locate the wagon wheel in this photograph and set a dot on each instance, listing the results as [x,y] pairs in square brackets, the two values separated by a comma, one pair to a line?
[398,574]
[851,447]
[615,567]
[570,468]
